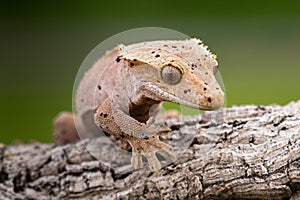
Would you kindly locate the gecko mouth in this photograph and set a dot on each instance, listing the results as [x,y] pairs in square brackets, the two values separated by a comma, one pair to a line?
[159,94]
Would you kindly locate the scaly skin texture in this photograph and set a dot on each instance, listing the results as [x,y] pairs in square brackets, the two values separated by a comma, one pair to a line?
[122,92]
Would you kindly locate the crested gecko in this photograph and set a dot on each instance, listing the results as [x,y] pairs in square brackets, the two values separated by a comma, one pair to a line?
[122,92]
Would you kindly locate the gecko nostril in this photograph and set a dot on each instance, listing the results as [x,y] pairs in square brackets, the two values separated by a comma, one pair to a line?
[209,99]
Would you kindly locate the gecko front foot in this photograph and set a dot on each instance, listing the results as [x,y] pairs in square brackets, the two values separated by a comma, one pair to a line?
[148,149]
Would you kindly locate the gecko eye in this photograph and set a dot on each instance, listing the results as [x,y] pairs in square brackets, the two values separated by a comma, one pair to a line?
[170,74]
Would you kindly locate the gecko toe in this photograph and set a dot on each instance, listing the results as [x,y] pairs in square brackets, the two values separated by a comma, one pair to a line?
[167,152]
[153,162]
[148,148]
[136,161]
[164,130]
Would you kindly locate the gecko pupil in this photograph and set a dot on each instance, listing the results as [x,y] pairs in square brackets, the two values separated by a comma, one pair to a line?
[171,75]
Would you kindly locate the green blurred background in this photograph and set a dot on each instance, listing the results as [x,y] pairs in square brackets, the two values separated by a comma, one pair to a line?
[43,44]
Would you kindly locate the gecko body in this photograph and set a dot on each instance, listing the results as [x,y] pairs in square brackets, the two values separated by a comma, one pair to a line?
[122,92]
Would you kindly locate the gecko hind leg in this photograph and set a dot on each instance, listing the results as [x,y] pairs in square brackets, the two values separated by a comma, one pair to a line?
[148,148]
[64,130]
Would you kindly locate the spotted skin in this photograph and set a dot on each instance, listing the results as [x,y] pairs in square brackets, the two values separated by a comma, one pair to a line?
[122,92]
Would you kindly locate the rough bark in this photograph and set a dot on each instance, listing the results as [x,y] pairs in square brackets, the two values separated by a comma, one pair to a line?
[249,152]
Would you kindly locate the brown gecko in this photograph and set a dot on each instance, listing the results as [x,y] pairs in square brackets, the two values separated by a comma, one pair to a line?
[122,91]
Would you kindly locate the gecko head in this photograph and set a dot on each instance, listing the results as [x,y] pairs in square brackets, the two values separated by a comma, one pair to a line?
[181,72]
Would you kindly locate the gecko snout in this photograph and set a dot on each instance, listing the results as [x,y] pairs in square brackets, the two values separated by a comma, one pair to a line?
[216,100]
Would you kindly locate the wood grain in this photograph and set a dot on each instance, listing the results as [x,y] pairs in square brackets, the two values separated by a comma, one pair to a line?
[251,152]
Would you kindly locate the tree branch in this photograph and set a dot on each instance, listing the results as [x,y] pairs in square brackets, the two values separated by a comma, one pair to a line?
[253,152]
